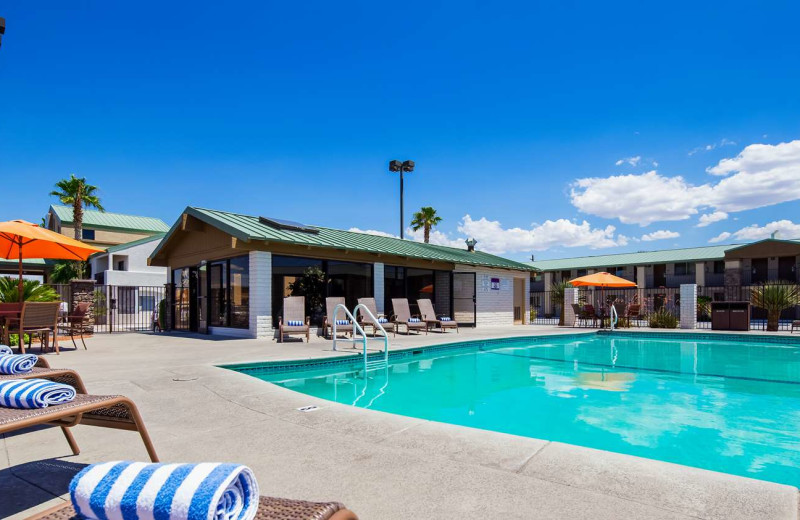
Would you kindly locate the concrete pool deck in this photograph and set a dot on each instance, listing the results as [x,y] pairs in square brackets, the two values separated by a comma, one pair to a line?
[380,465]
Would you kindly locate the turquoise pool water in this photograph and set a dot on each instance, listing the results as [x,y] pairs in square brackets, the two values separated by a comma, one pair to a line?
[721,405]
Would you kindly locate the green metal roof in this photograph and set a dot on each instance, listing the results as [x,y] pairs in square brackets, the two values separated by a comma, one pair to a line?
[111,221]
[247,227]
[134,243]
[642,257]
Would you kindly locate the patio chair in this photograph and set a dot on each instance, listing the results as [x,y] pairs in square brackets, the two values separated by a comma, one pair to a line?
[580,315]
[293,320]
[592,313]
[74,323]
[622,313]
[634,313]
[106,411]
[8,311]
[386,322]
[432,319]
[36,318]
[330,304]
[795,325]
[268,509]
[403,316]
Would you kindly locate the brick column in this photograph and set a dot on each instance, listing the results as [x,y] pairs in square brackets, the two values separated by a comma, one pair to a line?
[378,287]
[261,294]
[689,306]
[570,297]
[548,286]
[82,291]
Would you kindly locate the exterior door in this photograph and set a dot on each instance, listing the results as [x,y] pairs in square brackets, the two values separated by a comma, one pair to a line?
[659,275]
[759,271]
[463,304]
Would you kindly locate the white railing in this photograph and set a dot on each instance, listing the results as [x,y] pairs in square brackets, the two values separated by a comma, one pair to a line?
[368,365]
[613,316]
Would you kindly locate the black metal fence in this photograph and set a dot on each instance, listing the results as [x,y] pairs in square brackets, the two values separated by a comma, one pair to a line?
[118,308]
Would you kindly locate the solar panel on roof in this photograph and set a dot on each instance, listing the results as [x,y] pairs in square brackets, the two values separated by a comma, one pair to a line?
[288,225]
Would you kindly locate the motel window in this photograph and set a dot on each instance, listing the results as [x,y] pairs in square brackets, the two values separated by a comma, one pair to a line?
[229,293]
[87,234]
[180,281]
[581,272]
[719,267]
[616,271]
[408,282]
[684,268]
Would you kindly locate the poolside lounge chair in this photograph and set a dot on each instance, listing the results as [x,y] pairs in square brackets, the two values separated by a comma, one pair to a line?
[327,325]
[36,318]
[403,316]
[294,310]
[268,509]
[634,313]
[434,320]
[622,313]
[386,322]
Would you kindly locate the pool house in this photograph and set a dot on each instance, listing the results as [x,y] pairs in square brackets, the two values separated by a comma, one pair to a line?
[230,272]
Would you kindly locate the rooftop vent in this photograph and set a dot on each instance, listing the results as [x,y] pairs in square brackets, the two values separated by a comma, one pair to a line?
[287,225]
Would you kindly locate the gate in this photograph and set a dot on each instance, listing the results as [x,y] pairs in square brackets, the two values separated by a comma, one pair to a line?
[464,286]
[120,308]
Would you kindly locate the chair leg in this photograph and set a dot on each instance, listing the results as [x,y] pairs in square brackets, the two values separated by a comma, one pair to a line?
[73,445]
[84,343]
[137,419]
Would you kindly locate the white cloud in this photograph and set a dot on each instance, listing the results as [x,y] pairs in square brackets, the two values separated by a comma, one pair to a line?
[761,175]
[719,238]
[633,161]
[709,147]
[785,229]
[637,199]
[710,218]
[661,234]
[372,232]
[437,237]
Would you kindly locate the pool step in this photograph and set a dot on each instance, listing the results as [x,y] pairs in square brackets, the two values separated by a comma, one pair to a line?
[376,365]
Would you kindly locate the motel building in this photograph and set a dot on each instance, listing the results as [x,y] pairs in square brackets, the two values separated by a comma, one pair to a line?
[230,272]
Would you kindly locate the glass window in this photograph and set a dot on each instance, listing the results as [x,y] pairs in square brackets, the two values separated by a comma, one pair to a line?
[87,234]
[581,272]
[349,279]
[218,298]
[719,267]
[180,280]
[408,282]
[684,268]
[240,292]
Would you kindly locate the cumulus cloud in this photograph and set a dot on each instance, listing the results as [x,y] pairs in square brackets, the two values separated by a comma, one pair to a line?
[437,237]
[719,238]
[785,229]
[661,234]
[633,161]
[761,175]
[710,218]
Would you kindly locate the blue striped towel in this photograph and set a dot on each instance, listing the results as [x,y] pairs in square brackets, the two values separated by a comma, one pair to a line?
[34,393]
[343,322]
[445,318]
[5,349]
[383,320]
[294,323]
[124,490]
[12,364]
[413,320]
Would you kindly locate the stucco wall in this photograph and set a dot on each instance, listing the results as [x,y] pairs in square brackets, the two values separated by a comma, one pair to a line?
[136,272]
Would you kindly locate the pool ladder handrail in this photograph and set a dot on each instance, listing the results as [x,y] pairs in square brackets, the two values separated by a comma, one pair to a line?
[368,365]
[613,316]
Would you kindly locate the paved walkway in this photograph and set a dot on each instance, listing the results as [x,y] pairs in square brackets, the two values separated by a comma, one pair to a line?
[382,466]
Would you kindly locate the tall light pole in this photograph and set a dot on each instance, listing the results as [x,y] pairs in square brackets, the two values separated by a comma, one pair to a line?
[2,29]
[402,167]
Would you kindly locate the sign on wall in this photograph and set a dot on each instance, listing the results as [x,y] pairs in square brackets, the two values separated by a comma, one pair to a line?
[495,284]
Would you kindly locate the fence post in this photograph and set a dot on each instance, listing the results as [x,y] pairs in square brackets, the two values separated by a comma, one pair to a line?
[688,306]
[169,295]
[82,291]
[570,297]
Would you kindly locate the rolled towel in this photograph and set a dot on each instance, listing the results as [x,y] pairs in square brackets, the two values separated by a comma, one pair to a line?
[383,320]
[343,322]
[5,349]
[413,320]
[12,364]
[294,323]
[138,490]
[445,318]
[34,393]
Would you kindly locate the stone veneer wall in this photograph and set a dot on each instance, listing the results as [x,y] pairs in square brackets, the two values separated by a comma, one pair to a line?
[82,291]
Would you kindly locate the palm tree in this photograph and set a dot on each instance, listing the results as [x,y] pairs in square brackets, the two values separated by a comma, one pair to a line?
[425,219]
[775,298]
[77,193]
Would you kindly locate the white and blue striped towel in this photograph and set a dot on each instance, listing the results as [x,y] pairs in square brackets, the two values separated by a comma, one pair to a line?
[413,320]
[343,322]
[294,323]
[12,364]
[383,320]
[34,393]
[5,349]
[445,318]
[142,491]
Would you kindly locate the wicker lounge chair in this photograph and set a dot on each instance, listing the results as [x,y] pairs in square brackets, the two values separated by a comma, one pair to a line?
[74,323]
[623,318]
[268,509]
[432,319]
[327,326]
[387,325]
[403,316]
[294,310]
[37,318]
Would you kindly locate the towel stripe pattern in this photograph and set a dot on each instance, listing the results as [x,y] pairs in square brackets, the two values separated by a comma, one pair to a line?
[5,349]
[343,322]
[294,323]
[445,318]
[124,490]
[413,320]
[34,393]
[12,364]
[383,320]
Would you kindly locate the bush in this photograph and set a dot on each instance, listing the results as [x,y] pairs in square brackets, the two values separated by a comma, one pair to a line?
[663,319]
[534,314]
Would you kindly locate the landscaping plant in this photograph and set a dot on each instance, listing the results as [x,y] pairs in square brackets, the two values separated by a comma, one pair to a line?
[663,319]
[557,297]
[775,297]
[32,291]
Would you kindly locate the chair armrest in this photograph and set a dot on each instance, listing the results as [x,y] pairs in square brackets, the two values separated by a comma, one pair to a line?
[308,321]
[280,321]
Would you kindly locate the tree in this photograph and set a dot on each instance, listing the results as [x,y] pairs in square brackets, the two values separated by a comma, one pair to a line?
[77,193]
[425,218]
[775,298]
[32,291]
[557,296]
[65,270]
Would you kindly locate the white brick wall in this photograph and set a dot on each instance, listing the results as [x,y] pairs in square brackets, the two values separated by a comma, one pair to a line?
[261,295]
[496,307]
[378,288]
[570,297]
[688,306]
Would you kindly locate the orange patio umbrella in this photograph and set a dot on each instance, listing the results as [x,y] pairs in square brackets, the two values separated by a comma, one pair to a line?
[601,280]
[20,239]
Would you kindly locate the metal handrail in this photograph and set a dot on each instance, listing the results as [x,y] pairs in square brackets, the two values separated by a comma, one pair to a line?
[613,316]
[364,309]
[356,327]
[359,329]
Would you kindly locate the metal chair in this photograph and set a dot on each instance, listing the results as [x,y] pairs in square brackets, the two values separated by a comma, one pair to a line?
[75,323]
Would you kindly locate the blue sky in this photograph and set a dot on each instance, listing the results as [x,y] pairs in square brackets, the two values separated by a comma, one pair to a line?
[515,113]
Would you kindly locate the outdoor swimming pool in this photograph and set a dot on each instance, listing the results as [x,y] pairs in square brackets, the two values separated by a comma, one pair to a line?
[724,405]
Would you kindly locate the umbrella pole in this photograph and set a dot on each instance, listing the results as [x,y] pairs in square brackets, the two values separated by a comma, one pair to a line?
[20,286]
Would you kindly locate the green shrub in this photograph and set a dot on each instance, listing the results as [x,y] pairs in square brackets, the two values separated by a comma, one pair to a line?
[32,291]
[663,319]
[534,314]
